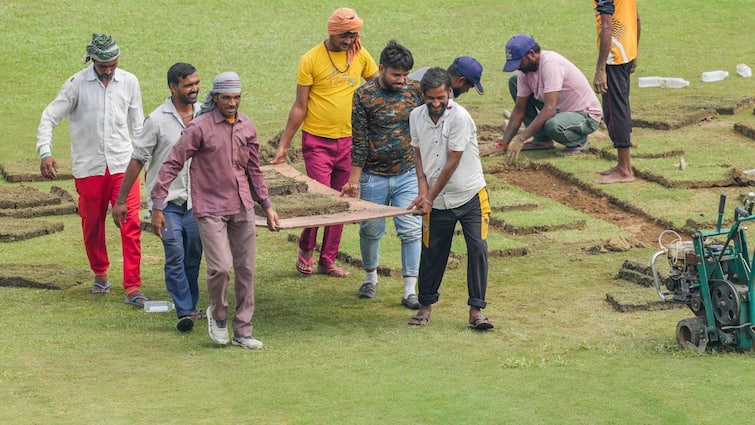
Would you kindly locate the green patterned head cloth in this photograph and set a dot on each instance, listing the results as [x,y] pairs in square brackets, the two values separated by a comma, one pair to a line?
[102,49]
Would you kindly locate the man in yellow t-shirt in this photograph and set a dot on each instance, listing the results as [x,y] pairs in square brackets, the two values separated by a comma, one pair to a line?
[327,77]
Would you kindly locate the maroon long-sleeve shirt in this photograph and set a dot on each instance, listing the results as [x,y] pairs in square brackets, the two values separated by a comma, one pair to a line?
[225,171]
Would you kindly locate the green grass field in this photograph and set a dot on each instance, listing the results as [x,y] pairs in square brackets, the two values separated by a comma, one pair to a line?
[559,353]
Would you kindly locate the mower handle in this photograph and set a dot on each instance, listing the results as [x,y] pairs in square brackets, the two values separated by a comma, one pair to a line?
[721,207]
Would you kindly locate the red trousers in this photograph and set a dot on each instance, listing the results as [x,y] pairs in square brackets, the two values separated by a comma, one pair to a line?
[96,194]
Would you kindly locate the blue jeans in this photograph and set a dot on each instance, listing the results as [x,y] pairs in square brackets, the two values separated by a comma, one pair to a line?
[398,191]
[183,254]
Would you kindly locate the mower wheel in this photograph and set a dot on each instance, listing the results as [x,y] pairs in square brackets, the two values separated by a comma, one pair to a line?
[690,333]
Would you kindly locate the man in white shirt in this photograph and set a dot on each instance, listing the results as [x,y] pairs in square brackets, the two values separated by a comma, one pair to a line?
[180,237]
[452,190]
[103,105]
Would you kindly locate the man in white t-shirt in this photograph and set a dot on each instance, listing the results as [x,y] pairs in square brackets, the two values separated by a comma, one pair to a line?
[452,190]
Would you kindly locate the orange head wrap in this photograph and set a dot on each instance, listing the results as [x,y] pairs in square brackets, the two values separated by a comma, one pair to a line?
[346,20]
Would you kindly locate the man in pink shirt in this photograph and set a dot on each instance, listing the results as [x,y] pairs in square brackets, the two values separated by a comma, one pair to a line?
[553,99]
[226,180]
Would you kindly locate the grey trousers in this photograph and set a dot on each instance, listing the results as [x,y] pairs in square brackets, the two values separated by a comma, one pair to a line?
[230,241]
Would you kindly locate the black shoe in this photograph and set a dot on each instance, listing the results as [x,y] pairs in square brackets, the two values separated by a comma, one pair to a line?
[185,324]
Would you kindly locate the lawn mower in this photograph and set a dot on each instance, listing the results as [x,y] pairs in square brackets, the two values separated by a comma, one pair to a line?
[713,280]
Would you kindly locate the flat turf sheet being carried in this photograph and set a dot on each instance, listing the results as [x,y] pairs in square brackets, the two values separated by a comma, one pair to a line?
[358,210]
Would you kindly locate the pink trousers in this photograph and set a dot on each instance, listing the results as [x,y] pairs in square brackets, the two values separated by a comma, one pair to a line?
[230,245]
[329,162]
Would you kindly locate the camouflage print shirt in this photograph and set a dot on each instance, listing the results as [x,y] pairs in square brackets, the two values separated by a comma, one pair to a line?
[380,128]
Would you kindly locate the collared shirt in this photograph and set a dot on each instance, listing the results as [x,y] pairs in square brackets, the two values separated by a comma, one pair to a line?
[454,131]
[380,141]
[162,128]
[104,122]
[225,159]
[558,74]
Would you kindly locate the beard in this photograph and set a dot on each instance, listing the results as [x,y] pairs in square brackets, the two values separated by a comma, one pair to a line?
[532,66]
[437,113]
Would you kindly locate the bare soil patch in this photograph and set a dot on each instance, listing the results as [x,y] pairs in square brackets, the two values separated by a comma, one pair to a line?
[624,295]
[42,276]
[745,130]
[304,205]
[22,196]
[546,181]
[28,171]
[529,230]
[17,229]
[267,150]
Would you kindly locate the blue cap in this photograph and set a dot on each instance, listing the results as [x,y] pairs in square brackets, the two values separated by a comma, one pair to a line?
[470,69]
[516,49]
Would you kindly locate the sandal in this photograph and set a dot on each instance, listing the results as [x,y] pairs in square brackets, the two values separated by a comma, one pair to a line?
[332,271]
[480,323]
[418,320]
[584,147]
[98,288]
[136,299]
[539,145]
[304,265]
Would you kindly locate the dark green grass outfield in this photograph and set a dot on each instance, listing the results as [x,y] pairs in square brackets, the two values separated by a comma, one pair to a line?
[559,353]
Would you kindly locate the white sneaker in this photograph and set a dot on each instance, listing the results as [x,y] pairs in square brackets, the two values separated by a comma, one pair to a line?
[249,342]
[218,330]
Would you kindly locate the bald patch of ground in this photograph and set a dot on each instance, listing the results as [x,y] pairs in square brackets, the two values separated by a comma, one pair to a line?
[631,290]
[18,229]
[42,276]
[745,130]
[691,110]
[28,170]
[546,181]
